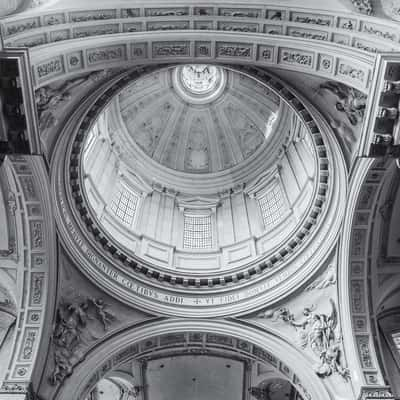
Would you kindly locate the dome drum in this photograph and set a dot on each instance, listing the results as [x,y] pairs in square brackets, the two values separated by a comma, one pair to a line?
[272,267]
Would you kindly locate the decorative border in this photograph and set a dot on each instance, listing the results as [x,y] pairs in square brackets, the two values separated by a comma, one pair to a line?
[360,32]
[37,279]
[354,275]
[249,341]
[62,60]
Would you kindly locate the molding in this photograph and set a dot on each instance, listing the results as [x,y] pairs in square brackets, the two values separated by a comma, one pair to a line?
[36,278]
[363,33]
[266,347]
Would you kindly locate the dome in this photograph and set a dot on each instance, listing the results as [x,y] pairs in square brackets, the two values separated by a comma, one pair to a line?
[197,119]
[201,186]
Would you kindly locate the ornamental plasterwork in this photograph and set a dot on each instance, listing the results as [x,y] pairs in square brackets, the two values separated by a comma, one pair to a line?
[285,21]
[160,295]
[37,259]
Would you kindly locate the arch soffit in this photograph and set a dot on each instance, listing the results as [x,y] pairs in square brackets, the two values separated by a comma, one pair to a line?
[247,339]
[368,178]
[36,248]
[62,60]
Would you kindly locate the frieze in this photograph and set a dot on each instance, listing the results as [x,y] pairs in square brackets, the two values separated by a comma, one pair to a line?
[203,11]
[130,12]
[36,229]
[265,356]
[167,26]
[238,27]
[166,12]
[34,317]
[371,378]
[138,50]
[28,188]
[37,288]
[171,49]
[325,63]
[202,49]
[34,210]
[29,341]
[219,339]
[304,18]
[51,67]
[172,339]
[31,41]
[273,29]
[53,19]
[357,296]
[75,60]
[358,242]
[105,54]
[266,53]
[341,39]
[307,33]
[364,351]
[132,27]
[81,16]
[22,26]
[357,269]
[57,36]
[95,30]
[203,25]
[366,198]
[379,393]
[240,12]
[360,324]
[347,23]
[378,30]
[275,15]
[126,354]
[11,203]
[363,45]
[293,56]
[234,50]
[351,72]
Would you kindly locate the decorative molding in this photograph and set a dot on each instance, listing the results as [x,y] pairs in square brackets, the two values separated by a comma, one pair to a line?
[250,342]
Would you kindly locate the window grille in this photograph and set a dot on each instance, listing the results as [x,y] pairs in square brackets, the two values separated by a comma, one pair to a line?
[197,232]
[272,206]
[124,205]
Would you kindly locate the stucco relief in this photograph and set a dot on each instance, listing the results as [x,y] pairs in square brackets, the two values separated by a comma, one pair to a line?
[197,153]
[247,133]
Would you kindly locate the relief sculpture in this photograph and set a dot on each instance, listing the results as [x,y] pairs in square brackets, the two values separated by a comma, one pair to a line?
[348,100]
[320,333]
[73,329]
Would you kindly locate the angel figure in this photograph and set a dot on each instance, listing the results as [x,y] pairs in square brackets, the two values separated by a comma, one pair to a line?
[328,279]
[104,316]
[319,328]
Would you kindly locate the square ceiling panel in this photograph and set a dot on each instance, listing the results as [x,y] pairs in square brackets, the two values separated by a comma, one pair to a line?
[192,377]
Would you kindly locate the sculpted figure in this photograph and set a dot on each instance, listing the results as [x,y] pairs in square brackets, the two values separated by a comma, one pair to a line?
[392,87]
[70,331]
[318,332]
[349,100]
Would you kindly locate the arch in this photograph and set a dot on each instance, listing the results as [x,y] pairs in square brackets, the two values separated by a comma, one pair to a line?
[35,268]
[123,346]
